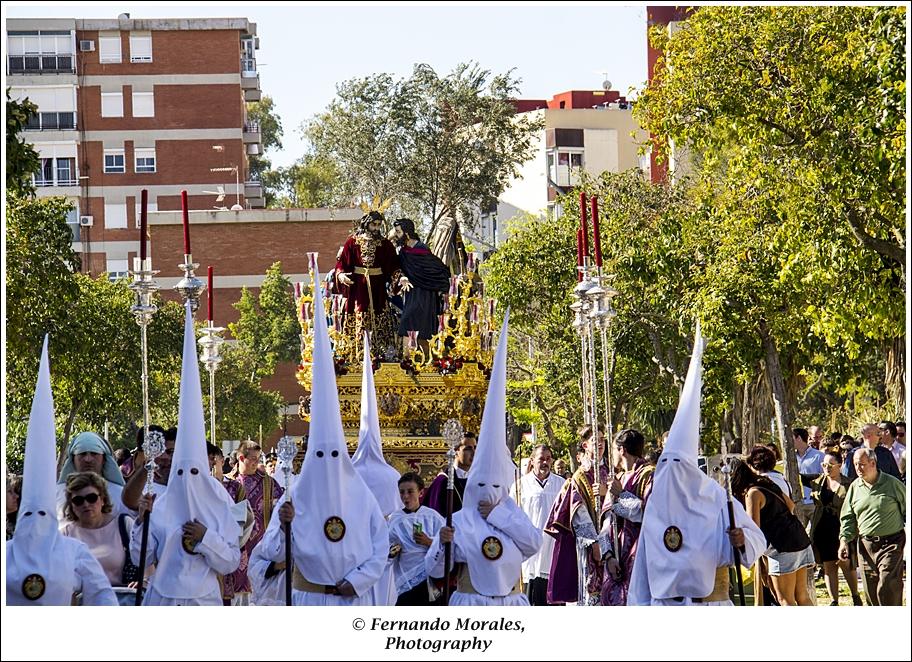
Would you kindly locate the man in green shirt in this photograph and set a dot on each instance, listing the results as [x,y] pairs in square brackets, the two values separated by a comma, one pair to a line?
[874,511]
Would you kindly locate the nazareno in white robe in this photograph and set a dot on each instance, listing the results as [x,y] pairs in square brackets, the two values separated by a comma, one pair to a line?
[493,580]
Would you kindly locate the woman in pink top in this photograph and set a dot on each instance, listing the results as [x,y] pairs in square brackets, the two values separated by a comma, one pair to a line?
[90,518]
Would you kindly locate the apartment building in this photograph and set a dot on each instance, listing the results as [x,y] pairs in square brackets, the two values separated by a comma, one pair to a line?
[585,130]
[126,104]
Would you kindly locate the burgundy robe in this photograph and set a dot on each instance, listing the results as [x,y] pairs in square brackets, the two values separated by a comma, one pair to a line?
[362,251]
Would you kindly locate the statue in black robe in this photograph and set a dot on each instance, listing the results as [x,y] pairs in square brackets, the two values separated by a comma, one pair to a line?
[424,283]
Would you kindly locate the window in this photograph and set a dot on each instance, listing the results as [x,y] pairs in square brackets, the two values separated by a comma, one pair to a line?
[117,269]
[140,47]
[66,172]
[56,106]
[114,160]
[72,221]
[143,104]
[115,216]
[49,51]
[45,176]
[145,160]
[109,49]
[112,104]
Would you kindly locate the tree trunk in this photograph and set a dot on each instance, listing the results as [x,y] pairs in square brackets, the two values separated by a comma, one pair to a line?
[781,407]
[75,406]
[895,376]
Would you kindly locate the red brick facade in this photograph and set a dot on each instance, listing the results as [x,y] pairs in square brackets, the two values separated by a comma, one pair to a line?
[173,52]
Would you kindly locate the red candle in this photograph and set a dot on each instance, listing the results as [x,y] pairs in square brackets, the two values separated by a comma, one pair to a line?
[143,226]
[211,293]
[186,211]
[579,254]
[584,228]
[596,240]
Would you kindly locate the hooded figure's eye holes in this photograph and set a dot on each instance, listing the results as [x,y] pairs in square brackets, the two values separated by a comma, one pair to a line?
[180,472]
[481,484]
[335,453]
[194,471]
[495,486]
[319,453]
[42,513]
[28,513]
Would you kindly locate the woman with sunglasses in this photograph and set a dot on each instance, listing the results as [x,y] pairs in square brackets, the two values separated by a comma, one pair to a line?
[90,517]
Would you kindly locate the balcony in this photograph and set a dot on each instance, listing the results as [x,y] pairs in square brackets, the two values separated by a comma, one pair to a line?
[251,134]
[253,195]
[51,122]
[41,63]
[44,183]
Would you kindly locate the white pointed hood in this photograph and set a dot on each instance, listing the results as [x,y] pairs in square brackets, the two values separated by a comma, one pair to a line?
[37,548]
[490,478]
[333,505]
[686,498]
[381,479]
[192,492]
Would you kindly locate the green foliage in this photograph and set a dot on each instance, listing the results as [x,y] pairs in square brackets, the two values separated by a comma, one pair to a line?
[310,182]
[533,272]
[241,404]
[21,158]
[94,340]
[267,328]
[436,145]
[796,116]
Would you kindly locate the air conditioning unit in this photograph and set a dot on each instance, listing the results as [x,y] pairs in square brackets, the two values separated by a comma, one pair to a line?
[86,45]
[86,221]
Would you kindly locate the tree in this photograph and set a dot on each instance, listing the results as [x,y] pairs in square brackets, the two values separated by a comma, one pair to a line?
[267,329]
[310,182]
[94,340]
[437,146]
[21,158]
[242,406]
[798,111]
[648,338]
[264,114]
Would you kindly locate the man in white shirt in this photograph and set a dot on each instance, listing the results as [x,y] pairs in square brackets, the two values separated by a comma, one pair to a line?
[889,433]
[538,490]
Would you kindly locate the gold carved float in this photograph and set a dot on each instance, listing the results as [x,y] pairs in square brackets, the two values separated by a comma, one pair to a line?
[419,385]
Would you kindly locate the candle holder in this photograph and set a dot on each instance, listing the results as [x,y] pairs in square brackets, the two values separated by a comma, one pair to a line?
[190,287]
[153,446]
[286,450]
[144,287]
[210,342]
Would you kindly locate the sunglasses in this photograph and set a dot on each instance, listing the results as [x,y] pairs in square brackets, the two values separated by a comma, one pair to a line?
[88,498]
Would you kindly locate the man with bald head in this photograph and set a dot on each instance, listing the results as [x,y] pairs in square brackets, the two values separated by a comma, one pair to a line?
[871,440]
[874,513]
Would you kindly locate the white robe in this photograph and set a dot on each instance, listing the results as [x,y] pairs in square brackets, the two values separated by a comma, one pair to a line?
[267,592]
[409,565]
[217,556]
[536,504]
[754,545]
[362,578]
[84,574]
[511,524]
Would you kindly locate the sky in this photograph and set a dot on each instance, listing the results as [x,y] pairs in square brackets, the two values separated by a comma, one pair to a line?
[306,49]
